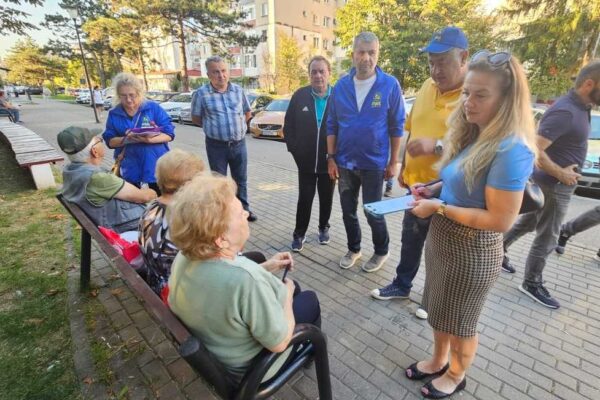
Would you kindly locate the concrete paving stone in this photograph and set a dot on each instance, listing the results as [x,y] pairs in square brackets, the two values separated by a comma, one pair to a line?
[579,374]
[383,396]
[371,341]
[499,337]
[401,359]
[393,340]
[566,335]
[510,393]
[166,351]
[483,392]
[139,392]
[592,393]
[494,356]
[506,376]
[378,360]
[361,386]
[494,323]
[306,387]
[355,363]
[170,391]
[337,367]
[583,354]
[544,335]
[156,374]
[141,319]
[132,305]
[145,355]
[340,390]
[120,319]
[111,305]
[416,353]
[351,343]
[593,369]
[566,393]
[484,378]
[198,389]
[368,325]
[387,385]
[515,356]
[555,375]
[130,334]
[287,393]
[153,335]
[560,355]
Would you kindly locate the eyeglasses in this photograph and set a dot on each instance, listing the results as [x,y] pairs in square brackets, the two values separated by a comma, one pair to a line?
[131,96]
[97,142]
[496,60]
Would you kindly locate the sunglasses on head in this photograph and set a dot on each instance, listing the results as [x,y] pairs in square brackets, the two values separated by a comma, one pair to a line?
[496,60]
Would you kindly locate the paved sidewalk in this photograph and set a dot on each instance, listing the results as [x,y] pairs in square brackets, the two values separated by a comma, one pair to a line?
[526,351]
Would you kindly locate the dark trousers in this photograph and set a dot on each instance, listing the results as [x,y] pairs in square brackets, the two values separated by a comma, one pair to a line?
[306,306]
[583,222]
[307,183]
[233,154]
[349,186]
[414,233]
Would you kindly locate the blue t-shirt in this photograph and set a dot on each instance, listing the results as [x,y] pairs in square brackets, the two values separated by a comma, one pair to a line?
[510,170]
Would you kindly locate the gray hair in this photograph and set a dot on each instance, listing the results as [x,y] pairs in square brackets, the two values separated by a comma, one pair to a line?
[127,79]
[82,155]
[213,59]
[365,37]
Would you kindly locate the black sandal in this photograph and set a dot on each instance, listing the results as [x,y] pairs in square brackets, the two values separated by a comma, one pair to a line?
[433,393]
[417,375]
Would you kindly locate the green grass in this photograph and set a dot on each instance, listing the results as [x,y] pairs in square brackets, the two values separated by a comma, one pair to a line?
[64,97]
[36,358]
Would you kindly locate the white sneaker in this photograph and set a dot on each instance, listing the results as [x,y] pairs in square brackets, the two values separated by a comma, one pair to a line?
[349,259]
[421,313]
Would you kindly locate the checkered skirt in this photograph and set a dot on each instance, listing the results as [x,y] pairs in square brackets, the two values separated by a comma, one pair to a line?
[462,264]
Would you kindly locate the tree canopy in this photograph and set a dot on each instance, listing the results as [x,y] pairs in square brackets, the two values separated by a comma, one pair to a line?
[29,65]
[14,20]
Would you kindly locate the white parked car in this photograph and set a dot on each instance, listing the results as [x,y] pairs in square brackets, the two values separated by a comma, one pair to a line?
[177,103]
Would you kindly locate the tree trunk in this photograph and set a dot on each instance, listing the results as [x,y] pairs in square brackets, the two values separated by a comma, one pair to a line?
[143,67]
[99,68]
[185,82]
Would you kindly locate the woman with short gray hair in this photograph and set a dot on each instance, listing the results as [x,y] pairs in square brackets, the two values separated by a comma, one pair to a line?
[139,130]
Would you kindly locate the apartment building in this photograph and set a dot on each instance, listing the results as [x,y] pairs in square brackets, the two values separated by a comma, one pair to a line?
[310,22]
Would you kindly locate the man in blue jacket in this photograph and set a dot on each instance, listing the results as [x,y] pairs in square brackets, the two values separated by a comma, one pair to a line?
[366,117]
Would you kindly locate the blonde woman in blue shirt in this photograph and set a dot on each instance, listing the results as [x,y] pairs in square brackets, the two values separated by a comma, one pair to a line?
[489,152]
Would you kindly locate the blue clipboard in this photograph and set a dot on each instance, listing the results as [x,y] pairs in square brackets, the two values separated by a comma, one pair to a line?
[384,207]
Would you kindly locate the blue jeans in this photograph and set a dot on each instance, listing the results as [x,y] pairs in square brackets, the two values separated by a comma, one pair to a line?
[221,154]
[372,184]
[414,233]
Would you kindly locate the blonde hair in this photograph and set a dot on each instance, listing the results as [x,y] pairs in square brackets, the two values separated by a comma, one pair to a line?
[514,118]
[198,215]
[175,168]
[127,79]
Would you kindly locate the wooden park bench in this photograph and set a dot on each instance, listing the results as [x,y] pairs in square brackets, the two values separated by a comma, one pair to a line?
[32,152]
[192,349]
[5,114]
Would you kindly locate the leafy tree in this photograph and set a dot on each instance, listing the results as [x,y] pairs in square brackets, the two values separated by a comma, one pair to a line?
[289,72]
[213,20]
[404,26]
[15,20]
[29,65]
[554,39]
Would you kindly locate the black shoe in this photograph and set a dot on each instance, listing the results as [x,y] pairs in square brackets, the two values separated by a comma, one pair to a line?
[562,242]
[433,393]
[417,375]
[298,243]
[540,294]
[507,266]
[251,216]
[324,236]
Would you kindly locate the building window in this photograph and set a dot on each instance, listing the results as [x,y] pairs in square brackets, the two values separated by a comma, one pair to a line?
[304,37]
[304,14]
[315,19]
[235,62]
[250,13]
[265,9]
[250,60]
[326,22]
[334,22]
[316,43]
[263,35]
[325,44]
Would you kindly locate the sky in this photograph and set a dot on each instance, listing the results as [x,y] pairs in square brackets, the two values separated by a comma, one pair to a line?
[42,35]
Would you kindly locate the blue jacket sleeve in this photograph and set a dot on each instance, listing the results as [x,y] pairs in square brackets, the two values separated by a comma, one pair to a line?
[396,112]
[162,119]
[332,122]
[110,130]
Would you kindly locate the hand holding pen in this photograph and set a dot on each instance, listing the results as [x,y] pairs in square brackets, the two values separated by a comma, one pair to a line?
[423,190]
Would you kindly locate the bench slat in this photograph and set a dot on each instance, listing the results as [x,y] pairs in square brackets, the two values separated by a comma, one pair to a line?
[40,157]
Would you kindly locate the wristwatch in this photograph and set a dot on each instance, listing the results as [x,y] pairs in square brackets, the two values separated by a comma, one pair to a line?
[439,147]
[330,156]
[442,209]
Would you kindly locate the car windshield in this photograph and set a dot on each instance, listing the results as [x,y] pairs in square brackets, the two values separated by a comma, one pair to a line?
[278,105]
[251,97]
[595,133]
[157,96]
[182,98]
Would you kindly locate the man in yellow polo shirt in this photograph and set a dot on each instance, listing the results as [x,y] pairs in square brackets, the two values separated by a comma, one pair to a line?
[426,124]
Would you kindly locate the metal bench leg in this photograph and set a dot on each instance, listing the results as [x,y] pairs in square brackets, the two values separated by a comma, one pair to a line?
[86,260]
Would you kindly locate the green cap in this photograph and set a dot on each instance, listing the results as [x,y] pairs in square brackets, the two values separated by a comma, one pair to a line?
[75,138]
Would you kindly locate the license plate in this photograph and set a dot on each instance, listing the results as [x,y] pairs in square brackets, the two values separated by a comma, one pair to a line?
[268,133]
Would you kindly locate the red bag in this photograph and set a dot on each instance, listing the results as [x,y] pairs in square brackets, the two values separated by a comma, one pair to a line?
[129,250]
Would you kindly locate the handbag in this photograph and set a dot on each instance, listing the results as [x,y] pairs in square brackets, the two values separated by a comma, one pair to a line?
[533,198]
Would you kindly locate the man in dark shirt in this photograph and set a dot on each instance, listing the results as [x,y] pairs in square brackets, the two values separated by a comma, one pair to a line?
[562,146]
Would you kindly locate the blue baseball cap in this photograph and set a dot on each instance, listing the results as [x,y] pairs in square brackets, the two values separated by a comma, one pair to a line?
[448,38]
